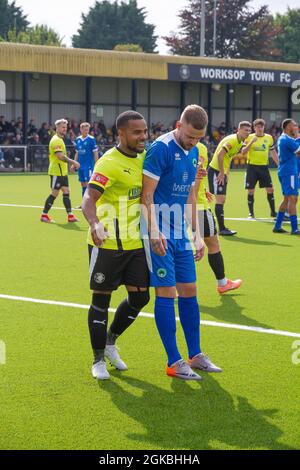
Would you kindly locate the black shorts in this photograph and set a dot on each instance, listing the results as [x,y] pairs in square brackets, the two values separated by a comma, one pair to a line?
[111,268]
[214,187]
[257,173]
[207,223]
[58,181]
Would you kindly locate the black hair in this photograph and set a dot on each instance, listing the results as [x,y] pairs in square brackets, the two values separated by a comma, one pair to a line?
[123,118]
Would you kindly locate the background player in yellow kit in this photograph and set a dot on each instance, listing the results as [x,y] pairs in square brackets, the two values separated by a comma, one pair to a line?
[58,172]
[208,228]
[258,146]
[219,169]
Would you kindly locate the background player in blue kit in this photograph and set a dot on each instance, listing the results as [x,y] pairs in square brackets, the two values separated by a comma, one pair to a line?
[288,150]
[87,154]
[168,185]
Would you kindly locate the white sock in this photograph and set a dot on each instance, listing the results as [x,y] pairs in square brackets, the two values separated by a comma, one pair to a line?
[222,282]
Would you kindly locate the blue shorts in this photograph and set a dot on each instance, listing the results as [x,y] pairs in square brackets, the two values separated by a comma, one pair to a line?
[177,266]
[289,185]
[84,174]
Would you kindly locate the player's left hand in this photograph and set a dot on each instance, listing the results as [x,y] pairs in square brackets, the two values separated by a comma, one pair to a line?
[199,254]
[76,165]
[199,246]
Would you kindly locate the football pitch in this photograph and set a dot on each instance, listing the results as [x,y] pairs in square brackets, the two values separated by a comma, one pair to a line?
[48,399]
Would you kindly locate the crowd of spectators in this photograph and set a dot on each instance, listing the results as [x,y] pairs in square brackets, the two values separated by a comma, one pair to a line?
[38,137]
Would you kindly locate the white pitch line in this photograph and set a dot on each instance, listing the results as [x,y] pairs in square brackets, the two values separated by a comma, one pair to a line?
[150,315]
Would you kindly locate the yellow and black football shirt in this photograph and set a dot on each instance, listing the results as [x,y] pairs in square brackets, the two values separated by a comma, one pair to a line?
[203,161]
[119,177]
[232,146]
[259,151]
[56,166]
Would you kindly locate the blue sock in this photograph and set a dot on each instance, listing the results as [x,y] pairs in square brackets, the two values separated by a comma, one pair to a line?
[189,314]
[279,220]
[294,223]
[83,190]
[164,313]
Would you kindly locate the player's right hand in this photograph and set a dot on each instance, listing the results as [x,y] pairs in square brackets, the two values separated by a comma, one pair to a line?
[159,244]
[99,234]
[201,173]
[221,179]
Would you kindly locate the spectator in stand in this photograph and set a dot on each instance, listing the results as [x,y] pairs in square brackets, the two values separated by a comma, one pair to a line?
[8,154]
[2,160]
[32,129]
[74,126]
[3,129]
[44,134]
[102,127]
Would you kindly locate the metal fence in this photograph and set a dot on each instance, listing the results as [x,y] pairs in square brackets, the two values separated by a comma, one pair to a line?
[35,158]
[30,158]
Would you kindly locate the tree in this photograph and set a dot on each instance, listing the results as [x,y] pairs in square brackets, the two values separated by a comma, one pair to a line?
[288,40]
[38,35]
[11,18]
[108,24]
[128,48]
[242,32]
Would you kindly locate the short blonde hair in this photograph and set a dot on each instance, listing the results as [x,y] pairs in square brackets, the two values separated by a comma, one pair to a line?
[60,121]
[85,124]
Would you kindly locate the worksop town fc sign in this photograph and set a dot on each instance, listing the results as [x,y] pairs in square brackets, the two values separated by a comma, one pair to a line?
[199,73]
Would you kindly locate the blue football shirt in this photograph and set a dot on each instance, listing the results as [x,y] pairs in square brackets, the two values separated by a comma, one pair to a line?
[175,170]
[287,149]
[85,148]
[298,158]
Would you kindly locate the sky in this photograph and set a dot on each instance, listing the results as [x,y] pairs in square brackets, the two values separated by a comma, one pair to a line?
[64,15]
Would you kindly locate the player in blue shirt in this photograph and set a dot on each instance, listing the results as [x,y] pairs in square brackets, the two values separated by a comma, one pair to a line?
[288,150]
[298,161]
[86,154]
[168,190]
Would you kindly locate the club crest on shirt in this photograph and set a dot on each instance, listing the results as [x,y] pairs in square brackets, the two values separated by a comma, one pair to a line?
[161,272]
[99,278]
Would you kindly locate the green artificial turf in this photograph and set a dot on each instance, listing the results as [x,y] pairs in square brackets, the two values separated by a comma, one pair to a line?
[48,399]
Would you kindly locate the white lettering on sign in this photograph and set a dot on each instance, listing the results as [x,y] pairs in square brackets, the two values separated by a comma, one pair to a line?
[222,74]
[262,76]
[285,77]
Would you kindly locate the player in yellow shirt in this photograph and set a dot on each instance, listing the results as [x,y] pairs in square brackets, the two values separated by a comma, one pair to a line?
[258,146]
[111,205]
[219,169]
[208,227]
[58,171]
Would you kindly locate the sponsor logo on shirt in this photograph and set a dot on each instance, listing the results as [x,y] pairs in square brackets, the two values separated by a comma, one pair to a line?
[134,193]
[99,178]
[177,156]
